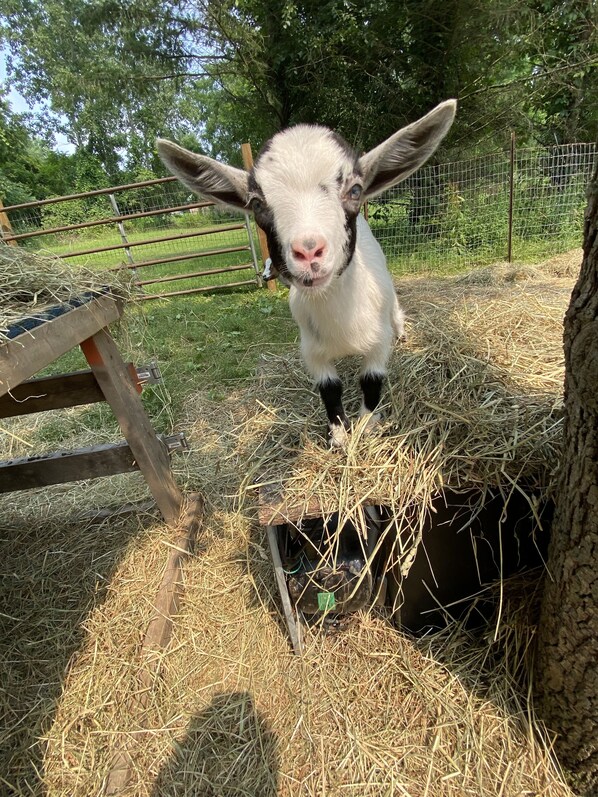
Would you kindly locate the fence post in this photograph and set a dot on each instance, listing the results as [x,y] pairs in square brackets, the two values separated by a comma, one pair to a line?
[248,163]
[121,228]
[5,226]
[511,187]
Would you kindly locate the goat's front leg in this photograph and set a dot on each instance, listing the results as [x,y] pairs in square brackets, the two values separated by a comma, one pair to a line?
[330,388]
[373,374]
[331,391]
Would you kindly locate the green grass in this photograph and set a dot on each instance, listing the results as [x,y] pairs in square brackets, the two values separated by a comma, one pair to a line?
[209,342]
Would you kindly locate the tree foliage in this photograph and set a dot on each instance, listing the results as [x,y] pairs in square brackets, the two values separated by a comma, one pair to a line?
[115,75]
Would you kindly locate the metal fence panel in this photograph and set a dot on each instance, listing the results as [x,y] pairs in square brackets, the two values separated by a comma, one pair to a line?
[155,227]
[445,217]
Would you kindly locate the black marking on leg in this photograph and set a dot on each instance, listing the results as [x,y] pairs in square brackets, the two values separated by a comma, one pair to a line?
[371,387]
[331,392]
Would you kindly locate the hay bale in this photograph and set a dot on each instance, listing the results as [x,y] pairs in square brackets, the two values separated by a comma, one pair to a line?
[31,283]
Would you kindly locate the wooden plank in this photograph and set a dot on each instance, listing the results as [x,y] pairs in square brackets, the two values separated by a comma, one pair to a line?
[27,354]
[156,639]
[111,373]
[5,227]
[66,466]
[281,581]
[167,600]
[56,392]
[274,509]
[247,155]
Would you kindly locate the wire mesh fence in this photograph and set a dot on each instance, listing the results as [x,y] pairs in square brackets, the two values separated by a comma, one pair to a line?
[456,215]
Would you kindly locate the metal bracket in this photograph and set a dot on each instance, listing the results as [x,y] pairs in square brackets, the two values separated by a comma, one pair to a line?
[175,442]
[149,374]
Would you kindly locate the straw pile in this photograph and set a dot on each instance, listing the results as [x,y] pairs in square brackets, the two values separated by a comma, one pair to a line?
[30,283]
[474,398]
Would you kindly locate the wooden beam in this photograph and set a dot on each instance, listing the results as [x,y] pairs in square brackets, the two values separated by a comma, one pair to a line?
[56,392]
[66,466]
[247,155]
[274,509]
[157,637]
[111,373]
[281,581]
[5,227]
[28,353]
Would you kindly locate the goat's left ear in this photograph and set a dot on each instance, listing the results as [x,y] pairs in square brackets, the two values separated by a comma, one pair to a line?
[204,175]
[405,151]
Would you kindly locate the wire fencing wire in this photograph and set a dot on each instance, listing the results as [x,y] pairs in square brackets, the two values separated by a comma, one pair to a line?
[455,215]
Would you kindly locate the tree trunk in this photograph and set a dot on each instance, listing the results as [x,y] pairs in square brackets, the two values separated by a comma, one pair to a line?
[567,662]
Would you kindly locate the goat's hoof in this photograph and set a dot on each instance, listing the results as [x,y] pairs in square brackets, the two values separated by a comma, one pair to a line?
[337,435]
[374,420]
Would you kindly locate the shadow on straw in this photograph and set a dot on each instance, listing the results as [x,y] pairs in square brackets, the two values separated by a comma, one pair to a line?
[229,749]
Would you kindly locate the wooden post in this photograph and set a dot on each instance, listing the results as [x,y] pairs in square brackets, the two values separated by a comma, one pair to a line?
[157,637]
[511,186]
[248,163]
[5,226]
[121,394]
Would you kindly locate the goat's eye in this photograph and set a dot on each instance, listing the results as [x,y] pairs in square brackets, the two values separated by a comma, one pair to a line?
[257,205]
[355,192]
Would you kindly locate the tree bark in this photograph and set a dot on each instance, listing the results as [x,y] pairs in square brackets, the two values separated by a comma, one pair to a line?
[566,671]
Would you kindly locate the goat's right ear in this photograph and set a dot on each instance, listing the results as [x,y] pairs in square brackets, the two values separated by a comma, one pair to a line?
[205,175]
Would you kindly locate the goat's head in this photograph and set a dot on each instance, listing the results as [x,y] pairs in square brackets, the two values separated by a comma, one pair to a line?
[307,187]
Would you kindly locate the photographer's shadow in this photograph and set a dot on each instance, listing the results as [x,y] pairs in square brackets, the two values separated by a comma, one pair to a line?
[229,750]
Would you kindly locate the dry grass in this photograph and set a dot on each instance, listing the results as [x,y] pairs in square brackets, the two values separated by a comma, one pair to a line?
[31,283]
[474,398]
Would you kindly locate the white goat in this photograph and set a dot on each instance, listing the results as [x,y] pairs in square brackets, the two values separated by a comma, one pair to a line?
[306,190]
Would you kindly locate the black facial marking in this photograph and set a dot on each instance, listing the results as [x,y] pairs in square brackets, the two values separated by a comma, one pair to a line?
[351,227]
[344,145]
[275,249]
[264,149]
[371,387]
[331,392]
[252,184]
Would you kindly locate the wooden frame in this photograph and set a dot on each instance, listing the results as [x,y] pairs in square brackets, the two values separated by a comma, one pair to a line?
[56,393]
[87,326]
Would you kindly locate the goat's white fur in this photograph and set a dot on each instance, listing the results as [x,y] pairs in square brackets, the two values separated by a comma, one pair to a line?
[304,177]
[356,314]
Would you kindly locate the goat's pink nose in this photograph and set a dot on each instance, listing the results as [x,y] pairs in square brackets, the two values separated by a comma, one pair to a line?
[307,250]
